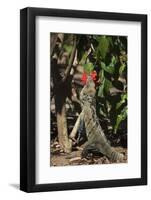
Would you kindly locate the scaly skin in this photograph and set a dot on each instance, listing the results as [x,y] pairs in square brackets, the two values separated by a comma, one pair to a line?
[95,135]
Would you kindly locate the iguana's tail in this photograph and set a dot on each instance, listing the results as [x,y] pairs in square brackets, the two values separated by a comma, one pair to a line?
[116,156]
[103,147]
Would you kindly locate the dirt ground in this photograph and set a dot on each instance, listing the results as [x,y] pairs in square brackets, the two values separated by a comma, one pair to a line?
[58,158]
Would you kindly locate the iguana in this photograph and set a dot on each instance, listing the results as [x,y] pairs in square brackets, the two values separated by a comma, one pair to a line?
[96,139]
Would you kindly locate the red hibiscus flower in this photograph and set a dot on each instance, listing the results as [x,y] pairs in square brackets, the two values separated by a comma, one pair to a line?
[84,78]
[93,75]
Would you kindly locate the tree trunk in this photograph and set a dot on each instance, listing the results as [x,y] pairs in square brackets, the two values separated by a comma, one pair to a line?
[61,90]
[63,138]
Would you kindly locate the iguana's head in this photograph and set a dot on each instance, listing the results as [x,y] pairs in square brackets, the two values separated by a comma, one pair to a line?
[88,91]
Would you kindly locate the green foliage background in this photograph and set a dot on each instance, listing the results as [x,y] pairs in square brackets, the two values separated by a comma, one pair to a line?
[107,55]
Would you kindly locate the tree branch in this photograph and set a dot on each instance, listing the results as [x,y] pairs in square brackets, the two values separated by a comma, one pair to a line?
[71,60]
[53,42]
[69,67]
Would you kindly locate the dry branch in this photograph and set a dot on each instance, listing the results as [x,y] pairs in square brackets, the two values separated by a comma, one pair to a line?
[76,126]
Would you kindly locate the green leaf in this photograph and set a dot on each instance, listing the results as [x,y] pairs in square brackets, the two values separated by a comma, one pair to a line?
[104,88]
[68,48]
[107,86]
[103,46]
[88,67]
[122,116]
[118,84]
[110,69]
[113,60]
[122,68]
[123,99]
[101,90]
[83,59]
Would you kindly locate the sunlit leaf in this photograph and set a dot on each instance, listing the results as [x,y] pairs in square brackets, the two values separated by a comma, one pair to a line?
[123,99]
[110,69]
[122,68]
[101,89]
[88,67]
[103,46]
[122,116]
[68,48]
[83,58]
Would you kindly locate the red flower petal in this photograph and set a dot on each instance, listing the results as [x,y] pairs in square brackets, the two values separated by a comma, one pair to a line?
[84,78]
[93,75]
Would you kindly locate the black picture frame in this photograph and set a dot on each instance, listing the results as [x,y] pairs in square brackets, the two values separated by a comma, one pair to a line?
[28,98]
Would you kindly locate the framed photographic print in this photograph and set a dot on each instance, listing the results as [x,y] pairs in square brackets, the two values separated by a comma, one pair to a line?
[83,99]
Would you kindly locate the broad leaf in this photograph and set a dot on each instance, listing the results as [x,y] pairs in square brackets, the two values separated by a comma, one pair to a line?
[123,99]
[109,69]
[103,46]
[88,67]
[120,118]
